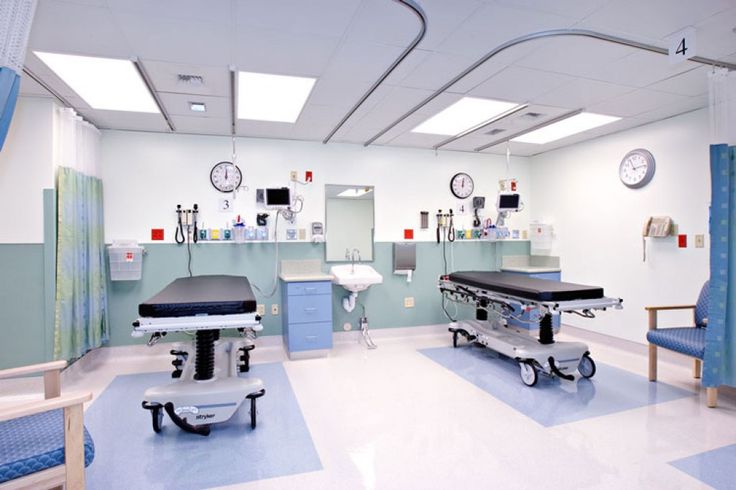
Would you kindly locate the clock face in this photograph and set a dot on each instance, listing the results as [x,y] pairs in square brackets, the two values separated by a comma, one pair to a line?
[461,185]
[226,177]
[637,168]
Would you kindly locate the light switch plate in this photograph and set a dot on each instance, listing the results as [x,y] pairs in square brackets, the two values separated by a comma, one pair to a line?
[261,309]
[409,302]
[699,241]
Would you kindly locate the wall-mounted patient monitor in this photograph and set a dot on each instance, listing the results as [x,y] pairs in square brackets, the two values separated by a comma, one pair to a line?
[508,201]
[277,197]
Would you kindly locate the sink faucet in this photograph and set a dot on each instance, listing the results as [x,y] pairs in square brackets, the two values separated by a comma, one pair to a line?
[352,259]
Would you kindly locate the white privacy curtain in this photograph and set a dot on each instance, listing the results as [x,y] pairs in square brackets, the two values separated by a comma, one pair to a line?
[722,99]
[76,143]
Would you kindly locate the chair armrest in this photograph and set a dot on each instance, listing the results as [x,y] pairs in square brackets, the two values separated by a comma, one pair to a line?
[672,307]
[34,368]
[44,406]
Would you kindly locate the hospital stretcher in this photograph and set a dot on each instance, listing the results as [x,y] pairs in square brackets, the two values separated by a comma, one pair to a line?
[208,388]
[500,296]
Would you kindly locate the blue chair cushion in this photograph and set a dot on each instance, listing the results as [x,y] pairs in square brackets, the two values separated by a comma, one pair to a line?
[35,443]
[685,340]
[701,307]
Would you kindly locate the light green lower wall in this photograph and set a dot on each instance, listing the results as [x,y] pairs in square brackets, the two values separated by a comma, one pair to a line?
[23,336]
[384,303]
[26,307]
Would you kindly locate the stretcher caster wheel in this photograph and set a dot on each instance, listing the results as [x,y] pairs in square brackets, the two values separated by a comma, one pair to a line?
[528,373]
[157,415]
[586,368]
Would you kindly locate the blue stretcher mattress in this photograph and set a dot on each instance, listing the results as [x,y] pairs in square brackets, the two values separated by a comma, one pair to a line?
[526,287]
[201,295]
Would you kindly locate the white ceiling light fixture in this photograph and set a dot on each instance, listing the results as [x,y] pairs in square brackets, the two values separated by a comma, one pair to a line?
[103,83]
[276,98]
[197,107]
[567,127]
[354,192]
[467,112]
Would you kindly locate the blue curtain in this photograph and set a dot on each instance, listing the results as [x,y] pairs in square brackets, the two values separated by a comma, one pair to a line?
[720,341]
[81,273]
[9,86]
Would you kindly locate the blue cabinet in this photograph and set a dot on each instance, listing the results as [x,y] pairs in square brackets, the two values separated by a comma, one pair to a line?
[531,322]
[307,318]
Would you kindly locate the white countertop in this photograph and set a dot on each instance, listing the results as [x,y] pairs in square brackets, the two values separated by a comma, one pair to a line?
[305,277]
[308,270]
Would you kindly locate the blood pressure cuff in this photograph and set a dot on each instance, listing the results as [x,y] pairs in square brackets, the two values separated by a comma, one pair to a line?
[201,295]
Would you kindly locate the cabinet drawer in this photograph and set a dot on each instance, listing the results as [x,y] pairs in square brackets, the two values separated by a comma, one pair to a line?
[309,336]
[309,309]
[308,288]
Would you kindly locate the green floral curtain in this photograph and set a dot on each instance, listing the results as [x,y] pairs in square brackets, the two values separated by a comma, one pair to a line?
[81,275]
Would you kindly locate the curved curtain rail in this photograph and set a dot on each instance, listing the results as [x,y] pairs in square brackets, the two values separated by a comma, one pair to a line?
[541,35]
[422,31]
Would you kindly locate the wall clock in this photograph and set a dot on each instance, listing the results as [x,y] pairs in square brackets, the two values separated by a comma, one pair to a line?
[637,168]
[226,177]
[461,185]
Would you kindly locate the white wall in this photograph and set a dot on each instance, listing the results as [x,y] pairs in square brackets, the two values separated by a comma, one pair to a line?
[147,174]
[598,221]
[26,168]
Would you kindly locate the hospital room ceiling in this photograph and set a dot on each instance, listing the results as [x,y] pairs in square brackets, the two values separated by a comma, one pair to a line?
[347,44]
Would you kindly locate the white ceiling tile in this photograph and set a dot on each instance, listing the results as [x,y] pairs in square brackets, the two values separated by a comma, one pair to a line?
[691,83]
[664,111]
[264,129]
[278,52]
[202,125]
[315,17]
[493,25]
[636,102]
[178,104]
[72,28]
[643,68]
[219,12]
[362,61]
[437,69]
[581,93]
[519,84]
[653,19]
[164,77]
[391,23]
[577,9]
[180,41]
[715,35]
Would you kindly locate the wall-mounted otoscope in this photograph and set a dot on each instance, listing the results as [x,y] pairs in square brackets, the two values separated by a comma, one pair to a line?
[445,226]
[186,224]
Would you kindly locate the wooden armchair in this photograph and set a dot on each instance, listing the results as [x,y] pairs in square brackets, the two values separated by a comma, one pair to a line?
[689,341]
[43,444]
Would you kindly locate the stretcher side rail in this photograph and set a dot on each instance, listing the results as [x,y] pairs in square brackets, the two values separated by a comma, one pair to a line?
[200,322]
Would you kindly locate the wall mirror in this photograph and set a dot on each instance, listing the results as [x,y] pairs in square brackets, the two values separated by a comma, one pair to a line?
[349,222]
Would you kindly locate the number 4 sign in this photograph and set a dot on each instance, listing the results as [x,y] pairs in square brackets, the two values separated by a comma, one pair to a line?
[682,45]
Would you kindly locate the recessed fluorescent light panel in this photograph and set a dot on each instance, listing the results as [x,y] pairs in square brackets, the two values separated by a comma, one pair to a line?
[103,83]
[462,115]
[278,98]
[354,192]
[197,107]
[567,127]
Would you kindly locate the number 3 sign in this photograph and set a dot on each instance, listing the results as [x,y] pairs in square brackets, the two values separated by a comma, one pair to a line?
[682,45]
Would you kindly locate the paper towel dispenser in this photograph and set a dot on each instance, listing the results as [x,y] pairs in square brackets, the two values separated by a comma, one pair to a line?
[405,257]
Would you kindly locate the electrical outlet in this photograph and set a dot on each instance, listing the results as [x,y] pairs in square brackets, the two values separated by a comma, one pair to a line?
[302,234]
[275,309]
[261,310]
[294,175]
[347,326]
[409,302]
[699,241]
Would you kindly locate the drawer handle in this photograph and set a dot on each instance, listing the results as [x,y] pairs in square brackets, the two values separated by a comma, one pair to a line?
[310,338]
[310,289]
[310,310]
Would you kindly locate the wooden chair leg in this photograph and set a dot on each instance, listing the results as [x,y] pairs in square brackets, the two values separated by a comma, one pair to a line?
[74,446]
[652,362]
[712,395]
[697,368]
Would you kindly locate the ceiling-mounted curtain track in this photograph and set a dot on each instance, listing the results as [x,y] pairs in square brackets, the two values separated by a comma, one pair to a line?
[420,35]
[480,126]
[149,84]
[542,35]
[541,125]
[56,94]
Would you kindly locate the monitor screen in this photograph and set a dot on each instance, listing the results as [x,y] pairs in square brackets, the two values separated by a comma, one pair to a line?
[278,197]
[508,202]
